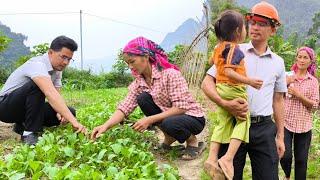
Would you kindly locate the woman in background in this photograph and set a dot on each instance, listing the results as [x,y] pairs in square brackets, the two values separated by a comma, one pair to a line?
[303,98]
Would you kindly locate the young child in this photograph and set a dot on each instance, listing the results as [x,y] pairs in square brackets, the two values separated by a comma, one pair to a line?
[231,81]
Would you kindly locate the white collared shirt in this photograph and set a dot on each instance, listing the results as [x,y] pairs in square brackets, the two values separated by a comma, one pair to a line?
[268,67]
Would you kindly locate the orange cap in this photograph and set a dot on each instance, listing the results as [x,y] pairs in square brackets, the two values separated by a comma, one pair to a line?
[266,10]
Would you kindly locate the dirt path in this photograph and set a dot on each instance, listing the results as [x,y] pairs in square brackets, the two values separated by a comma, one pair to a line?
[188,170]
[191,170]
[6,132]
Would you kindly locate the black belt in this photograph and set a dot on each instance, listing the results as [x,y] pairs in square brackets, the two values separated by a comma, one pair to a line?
[257,119]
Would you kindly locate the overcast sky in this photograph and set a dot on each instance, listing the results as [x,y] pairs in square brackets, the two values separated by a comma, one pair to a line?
[102,37]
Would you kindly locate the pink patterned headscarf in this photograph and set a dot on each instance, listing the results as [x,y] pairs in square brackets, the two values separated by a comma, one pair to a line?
[313,66]
[142,46]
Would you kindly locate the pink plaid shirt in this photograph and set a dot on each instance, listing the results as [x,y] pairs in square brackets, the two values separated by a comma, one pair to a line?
[298,118]
[169,89]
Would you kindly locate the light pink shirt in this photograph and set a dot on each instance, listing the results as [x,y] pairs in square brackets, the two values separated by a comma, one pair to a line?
[298,117]
[169,89]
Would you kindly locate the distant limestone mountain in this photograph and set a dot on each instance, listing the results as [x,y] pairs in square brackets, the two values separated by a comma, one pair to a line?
[16,47]
[184,35]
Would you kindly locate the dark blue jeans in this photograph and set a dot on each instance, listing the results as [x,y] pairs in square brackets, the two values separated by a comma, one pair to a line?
[301,144]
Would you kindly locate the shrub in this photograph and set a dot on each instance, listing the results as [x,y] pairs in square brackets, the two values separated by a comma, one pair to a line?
[4,74]
[84,79]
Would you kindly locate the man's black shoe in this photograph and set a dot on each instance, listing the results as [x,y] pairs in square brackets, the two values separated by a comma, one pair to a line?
[18,128]
[30,139]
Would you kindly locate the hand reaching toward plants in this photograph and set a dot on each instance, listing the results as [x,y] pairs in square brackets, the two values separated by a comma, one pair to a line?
[141,125]
[79,128]
[97,131]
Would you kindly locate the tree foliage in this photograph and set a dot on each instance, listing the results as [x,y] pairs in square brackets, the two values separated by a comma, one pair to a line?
[4,72]
[218,6]
[84,79]
[294,39]
[38,50]
[284,49]
[175,55]
[314,32]
[120,66]
[315,29]
[15,47]
[4,42]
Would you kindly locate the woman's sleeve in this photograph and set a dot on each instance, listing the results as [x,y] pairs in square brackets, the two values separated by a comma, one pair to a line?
[315,94]
[178,90]
[233,56]
[130,102]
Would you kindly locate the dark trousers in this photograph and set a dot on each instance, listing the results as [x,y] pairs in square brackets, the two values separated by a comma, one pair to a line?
[301,142]
[180,127]
[26,106]
[262,152]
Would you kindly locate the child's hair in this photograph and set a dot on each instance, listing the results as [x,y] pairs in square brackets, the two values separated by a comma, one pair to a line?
[226,25]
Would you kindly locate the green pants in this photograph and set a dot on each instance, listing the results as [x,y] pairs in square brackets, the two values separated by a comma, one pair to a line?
[229,127]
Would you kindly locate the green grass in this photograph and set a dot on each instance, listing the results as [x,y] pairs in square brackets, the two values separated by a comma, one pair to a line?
[314,154]
[80,99]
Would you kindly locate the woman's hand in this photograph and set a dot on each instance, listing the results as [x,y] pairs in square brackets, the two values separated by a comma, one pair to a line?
[116,118]
[290,79]
[142,124]
[294,91]
[97,131]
